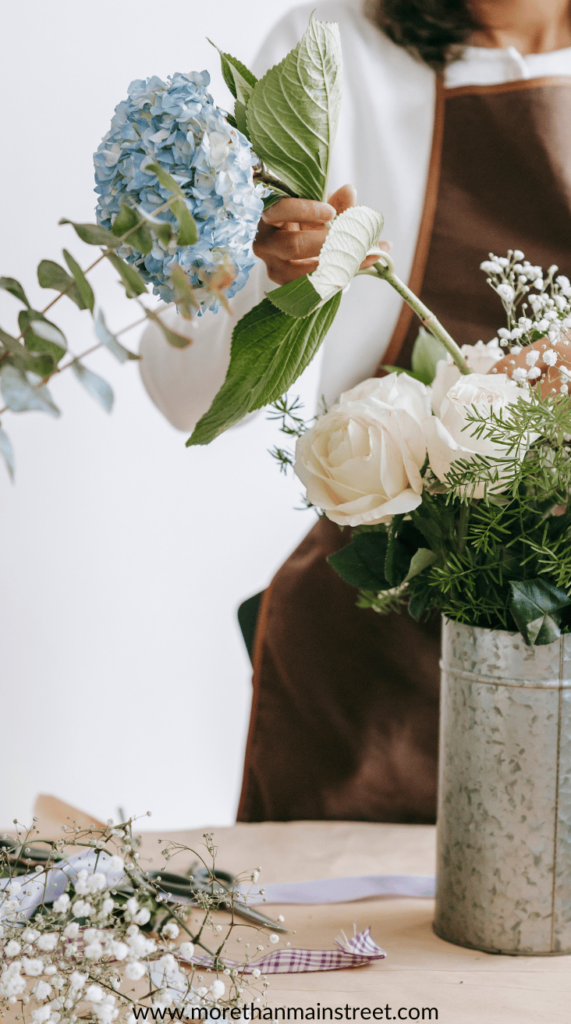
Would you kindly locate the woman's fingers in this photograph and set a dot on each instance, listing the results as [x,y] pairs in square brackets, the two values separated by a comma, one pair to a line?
[298,210]
[294,245]
[282,271]
[343,198]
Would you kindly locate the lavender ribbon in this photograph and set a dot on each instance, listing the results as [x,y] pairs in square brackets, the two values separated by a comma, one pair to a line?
[359,950]
[345,890]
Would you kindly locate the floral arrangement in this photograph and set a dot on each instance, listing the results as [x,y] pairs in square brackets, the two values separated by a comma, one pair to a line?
[87,934]
[177,126]
[457,487]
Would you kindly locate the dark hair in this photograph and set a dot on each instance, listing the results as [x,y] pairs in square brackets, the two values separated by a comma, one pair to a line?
[432,30]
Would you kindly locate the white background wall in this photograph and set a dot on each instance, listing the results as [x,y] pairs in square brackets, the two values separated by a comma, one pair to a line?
[123,555]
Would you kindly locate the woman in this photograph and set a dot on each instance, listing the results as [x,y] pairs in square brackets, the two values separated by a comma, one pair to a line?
[455,124]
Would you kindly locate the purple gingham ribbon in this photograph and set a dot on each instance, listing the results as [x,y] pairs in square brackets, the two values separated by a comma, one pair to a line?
[359,950]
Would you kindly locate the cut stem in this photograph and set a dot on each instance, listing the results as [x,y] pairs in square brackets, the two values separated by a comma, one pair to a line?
[385,270]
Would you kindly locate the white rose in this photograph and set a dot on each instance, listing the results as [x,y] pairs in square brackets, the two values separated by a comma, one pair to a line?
[480,359]
[450,436]
[361,461]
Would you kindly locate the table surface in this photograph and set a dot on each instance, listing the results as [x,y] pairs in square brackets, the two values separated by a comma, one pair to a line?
[421,970]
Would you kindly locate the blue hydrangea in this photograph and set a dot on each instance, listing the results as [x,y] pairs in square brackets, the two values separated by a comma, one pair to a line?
[177,125]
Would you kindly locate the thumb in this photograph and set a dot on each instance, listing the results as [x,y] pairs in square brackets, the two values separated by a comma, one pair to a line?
[343,198]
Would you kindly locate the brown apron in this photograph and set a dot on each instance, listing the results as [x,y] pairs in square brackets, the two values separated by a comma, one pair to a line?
[344,718]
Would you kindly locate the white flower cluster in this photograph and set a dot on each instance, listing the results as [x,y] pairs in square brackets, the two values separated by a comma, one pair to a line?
[538,309]
[78,956]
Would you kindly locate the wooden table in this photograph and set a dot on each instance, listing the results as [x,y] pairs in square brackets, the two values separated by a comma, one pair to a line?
[421,970]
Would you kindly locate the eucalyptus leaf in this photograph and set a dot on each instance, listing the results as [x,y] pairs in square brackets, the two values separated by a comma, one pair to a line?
[165,179]
[9,284]
[83,286]
[536,607]
[21,396]
[187,231]
[294,110]
[173,337]
[126,219]
[108,339]
[427,352]
[163,229]
[183,293]
[132,280]
[51,275]
[40,335]
[269,352]
[98,388]
[7,452]
[93,234]
[350,237]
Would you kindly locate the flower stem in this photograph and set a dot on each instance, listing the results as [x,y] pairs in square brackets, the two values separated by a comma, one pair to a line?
[385,270]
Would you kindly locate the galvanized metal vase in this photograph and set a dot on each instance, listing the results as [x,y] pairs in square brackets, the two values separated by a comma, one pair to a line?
[504,806]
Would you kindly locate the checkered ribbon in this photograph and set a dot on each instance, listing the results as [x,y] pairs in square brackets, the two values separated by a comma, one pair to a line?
[359,950]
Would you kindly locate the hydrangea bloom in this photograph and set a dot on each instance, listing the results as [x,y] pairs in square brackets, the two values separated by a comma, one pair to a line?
[177,125]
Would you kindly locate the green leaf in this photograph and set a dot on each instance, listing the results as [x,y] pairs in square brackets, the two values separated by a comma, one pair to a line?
[14,347]
[126,220]
[241,118]
[7,452]
[187,231]
[273,197]
[21,396]
[109,340]
[93,234]
[9,284]
[51,275]
[269,352]
[294,110]
[419,562]
[427,352]
[134,284]
[173,337]
[163,229]
[399,369]
[397,563]
[84,288]
[350,237]
[349,565]
[536,606]
[98,388]
[40,335]
[237,76]
[183,293]
[165,179]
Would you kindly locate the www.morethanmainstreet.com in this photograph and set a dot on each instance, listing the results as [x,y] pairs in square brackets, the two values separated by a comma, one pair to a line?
[279,1013]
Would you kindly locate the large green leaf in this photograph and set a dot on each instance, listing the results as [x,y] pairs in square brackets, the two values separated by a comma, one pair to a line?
[269,351]
[536,607]
[350,237]
[21,396]
[427,352]
[294,109]
[237,76]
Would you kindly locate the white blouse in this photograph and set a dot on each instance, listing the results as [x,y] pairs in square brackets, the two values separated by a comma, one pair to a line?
[383,148]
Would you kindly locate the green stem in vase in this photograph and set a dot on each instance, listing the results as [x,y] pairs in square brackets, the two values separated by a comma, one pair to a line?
[385,270]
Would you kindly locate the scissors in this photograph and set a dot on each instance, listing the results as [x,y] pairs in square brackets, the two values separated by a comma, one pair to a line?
[211,882]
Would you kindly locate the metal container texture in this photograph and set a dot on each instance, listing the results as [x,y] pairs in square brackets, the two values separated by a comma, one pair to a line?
[504,804]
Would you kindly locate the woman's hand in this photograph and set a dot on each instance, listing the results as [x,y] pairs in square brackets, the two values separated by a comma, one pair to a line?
[292,231]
